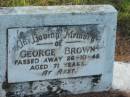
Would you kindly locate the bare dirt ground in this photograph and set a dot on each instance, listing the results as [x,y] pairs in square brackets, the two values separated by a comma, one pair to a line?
[102,94]
[122,48]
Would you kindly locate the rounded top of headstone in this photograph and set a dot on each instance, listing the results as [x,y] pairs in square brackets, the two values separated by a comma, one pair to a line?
[73,9]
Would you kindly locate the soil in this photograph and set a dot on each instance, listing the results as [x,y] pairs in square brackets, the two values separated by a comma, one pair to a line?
[102,94]
[122,48]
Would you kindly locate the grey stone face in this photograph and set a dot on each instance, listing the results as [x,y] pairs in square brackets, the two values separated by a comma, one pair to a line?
[60,49]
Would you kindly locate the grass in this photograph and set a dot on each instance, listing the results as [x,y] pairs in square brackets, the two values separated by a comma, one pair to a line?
[123,6]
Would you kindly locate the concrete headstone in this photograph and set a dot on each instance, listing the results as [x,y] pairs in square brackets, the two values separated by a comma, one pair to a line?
[64,43]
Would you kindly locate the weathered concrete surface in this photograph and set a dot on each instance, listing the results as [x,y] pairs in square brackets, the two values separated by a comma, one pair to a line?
[121,82]
[2,91]
[121,76]
[103,15]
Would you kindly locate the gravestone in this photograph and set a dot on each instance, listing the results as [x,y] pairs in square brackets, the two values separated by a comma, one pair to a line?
[69,49]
